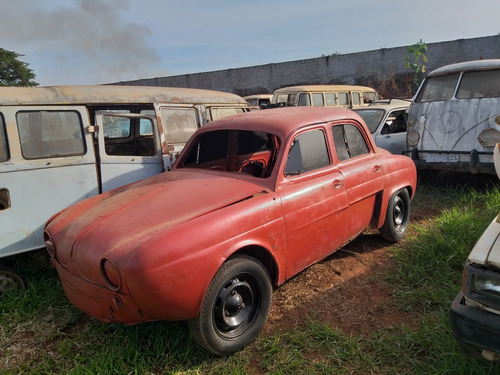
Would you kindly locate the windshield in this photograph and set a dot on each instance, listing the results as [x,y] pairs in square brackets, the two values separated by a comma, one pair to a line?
[372,117]
[246,151]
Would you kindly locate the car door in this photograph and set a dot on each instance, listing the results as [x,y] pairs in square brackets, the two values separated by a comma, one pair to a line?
[129,148]
[314,199]
[391,135]
[363,174]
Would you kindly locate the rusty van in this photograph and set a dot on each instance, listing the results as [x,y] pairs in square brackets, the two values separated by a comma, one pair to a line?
[60,145]
[454,119]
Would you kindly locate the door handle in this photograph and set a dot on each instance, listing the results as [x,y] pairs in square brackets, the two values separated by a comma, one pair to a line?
[377,168]
[337,184]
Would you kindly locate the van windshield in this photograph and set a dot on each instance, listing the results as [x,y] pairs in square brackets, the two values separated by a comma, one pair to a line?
[481,84]
[438,88]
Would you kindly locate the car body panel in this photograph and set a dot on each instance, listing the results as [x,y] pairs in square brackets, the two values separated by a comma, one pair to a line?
[387,121]
[161,240]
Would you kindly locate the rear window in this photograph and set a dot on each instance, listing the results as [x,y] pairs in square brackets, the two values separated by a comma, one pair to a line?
[438,88]
[4,149]
[481,84]
[50,134]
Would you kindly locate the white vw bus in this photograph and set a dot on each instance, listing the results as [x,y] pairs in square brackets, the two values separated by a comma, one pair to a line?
[454,120]
[59,145]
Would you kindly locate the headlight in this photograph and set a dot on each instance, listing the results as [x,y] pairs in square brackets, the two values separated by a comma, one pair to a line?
[412,137]
[49,244]
[483,286]
[111,274]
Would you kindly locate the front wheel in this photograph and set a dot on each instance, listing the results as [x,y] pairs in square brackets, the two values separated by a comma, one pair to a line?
[235,307]
[397,216]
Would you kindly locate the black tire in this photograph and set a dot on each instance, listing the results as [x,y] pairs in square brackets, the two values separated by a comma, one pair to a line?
[397,216]
[10,281]
[235,307]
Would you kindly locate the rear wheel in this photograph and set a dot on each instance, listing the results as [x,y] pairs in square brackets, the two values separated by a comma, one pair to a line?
[235,307]
[10,281]
[397,216]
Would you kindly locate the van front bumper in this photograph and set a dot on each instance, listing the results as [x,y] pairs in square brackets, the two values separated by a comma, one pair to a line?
[477,331]
[473,165]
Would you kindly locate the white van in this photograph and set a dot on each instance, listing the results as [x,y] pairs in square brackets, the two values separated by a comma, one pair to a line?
[454,120]
[59,145]
[342,96]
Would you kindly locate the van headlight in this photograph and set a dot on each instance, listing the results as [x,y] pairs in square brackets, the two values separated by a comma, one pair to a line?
[412,137]
[483,286]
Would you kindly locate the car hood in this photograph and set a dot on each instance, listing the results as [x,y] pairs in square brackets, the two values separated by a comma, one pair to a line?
[486,251]
[113,221]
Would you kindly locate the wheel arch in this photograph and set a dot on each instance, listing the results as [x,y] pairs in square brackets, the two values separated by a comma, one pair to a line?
[264,256]
[381,203]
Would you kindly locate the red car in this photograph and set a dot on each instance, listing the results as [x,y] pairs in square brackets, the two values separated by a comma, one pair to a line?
[251,201]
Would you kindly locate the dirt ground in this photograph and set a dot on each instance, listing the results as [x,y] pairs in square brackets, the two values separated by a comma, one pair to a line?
[347,290]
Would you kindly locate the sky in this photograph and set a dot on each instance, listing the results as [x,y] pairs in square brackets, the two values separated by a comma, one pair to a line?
[68,42]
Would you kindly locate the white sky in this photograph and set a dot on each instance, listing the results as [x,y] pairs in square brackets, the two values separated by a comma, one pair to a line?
[102,41]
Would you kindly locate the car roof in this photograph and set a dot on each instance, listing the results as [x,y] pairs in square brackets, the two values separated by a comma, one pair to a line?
[386,104]
[281,121]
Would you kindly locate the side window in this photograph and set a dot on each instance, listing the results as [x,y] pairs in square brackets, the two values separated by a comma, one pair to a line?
[308,152]
[369,97]
[220,112]
[146,126]
[48,134]
[356,98]
[349,142]
[179,124]
[304,99]
[343,98]
[482,84]
[318,99]
[4,147]
[395,123]
[330,99]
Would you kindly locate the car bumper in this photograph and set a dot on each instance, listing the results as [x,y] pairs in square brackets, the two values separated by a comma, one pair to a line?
[477,331]
[99,302]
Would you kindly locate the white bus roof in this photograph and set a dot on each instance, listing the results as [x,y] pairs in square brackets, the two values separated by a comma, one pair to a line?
[466,66]
[101,94]
[322,88]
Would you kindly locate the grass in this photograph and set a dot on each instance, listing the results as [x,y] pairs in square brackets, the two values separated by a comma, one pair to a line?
[41,333]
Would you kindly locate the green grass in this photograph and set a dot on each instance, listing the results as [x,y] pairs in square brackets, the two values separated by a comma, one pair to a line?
[41,333]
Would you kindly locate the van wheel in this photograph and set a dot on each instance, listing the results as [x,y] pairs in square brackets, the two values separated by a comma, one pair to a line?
[235,307]
[10,281]
[397,216]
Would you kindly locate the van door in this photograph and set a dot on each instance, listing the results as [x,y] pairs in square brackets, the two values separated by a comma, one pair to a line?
[128,148]
[47,164]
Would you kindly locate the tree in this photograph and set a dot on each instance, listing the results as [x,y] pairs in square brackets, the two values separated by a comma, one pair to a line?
[416,60]
[14,72]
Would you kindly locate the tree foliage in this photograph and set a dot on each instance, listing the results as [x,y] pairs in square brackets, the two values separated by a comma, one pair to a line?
[14,72]
[416,60]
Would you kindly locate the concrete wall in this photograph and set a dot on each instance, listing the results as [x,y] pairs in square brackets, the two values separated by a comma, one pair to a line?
[354,68]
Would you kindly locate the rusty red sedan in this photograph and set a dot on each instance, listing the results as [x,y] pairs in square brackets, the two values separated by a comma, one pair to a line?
[251,201]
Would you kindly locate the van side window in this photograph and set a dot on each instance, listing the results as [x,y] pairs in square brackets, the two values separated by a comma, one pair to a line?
[4,147]
[330,99]
[318,99]
[481,84]
[308,152]
[304,99]
[220,112]
[179,123]
[343,98]
[349,142]
[356,98]
[48,134]
[438,88]
[369,97]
